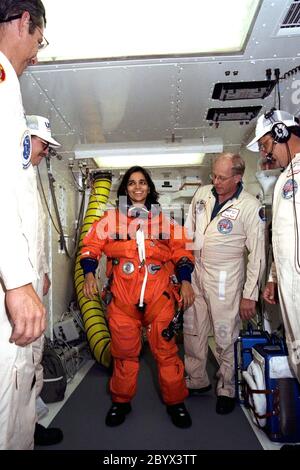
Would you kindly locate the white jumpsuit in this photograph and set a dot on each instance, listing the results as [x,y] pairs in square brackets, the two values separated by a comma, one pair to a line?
[285,242]
[17,262]
[219,281]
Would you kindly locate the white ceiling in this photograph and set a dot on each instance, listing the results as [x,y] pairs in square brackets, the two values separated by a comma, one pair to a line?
[151,99]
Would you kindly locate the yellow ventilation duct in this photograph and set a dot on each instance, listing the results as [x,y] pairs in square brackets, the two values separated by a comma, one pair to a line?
[92,311]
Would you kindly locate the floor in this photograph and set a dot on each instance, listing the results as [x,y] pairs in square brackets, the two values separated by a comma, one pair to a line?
[100,378]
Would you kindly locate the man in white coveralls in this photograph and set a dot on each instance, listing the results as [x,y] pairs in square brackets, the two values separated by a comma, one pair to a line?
[226,223]
[277,136]
[22,315]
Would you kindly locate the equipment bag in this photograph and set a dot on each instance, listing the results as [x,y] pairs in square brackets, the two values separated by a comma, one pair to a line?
[243,355]
[55,380]
[274,401]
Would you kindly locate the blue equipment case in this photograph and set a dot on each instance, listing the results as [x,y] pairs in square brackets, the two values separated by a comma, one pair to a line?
[243,355]
[282,395]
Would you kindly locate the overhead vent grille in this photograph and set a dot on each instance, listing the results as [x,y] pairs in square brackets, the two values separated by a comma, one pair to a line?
[292,18]
[245,113]
[291,22]
[243,90]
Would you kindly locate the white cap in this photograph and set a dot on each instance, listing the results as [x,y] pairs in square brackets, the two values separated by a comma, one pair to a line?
[40,126]
[265,124]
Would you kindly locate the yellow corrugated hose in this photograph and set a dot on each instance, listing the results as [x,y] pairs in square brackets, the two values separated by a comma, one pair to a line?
[91,310]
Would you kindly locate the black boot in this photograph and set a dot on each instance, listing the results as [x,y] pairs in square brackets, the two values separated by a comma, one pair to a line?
[47,436]
[179,415]
[225,405]
[290,447]
[117,413]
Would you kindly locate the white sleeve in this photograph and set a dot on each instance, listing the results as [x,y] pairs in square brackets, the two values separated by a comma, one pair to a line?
[15,267]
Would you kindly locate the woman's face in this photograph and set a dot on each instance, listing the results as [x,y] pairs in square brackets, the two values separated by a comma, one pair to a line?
[137,188]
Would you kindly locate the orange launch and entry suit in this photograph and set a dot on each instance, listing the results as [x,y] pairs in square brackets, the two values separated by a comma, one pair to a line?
[142,255]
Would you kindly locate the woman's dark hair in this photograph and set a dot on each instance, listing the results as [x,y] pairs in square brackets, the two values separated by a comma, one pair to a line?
[152,197]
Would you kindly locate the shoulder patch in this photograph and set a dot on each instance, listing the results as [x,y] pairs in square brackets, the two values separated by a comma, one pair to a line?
[2,74]
[289,189]
[26,149]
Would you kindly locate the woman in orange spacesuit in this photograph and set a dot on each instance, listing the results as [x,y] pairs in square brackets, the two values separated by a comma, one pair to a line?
[144,250]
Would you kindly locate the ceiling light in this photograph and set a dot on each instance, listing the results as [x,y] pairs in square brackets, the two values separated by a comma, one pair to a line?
[158,160]
[136,28]
[150,154]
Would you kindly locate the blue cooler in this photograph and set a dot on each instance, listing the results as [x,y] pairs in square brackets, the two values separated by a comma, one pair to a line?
[282,392]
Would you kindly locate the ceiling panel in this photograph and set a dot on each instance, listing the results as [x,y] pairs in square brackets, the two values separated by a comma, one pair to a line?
[151,99]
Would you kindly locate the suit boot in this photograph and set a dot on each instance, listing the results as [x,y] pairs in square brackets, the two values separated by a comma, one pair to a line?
[47,436]
[179,415]
[117,413]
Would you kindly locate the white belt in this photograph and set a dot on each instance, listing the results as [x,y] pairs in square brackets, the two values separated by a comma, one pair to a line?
[140,241]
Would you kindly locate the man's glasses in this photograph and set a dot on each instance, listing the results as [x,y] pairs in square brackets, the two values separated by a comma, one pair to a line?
[11,18]
[43,43]
[214,177]
[262,146]
[45,145]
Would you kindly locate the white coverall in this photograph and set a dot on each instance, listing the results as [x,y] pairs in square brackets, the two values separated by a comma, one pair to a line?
[285,269]
[18,211]
[218,281]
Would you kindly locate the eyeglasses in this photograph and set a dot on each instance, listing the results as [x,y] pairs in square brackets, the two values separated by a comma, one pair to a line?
[11,18]
[220,178]
[45,145]
[262,146]
[43,43]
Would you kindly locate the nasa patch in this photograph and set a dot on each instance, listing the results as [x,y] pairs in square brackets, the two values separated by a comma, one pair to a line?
[225,226]
[2,74]
[26,149]
[262,214]
[289,189]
